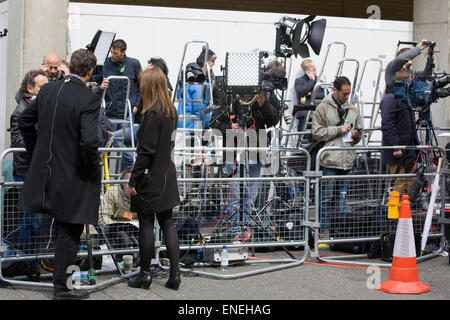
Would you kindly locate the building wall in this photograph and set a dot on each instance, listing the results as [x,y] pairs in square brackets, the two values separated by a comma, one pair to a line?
[401,10]
[3,63]
[431,22]
[30,36]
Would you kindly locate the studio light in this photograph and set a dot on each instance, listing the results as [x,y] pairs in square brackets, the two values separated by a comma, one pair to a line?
[101,45]
[296,36]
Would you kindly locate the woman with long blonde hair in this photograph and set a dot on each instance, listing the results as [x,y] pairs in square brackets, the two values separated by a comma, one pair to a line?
[153,179]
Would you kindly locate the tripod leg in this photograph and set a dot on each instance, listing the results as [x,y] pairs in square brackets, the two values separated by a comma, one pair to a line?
[108,244]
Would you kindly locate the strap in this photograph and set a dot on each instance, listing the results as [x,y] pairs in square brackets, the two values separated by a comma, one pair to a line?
[342,121]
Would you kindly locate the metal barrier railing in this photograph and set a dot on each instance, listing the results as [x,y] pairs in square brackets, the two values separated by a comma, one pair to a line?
[363,215]
[216,206]
[222,208]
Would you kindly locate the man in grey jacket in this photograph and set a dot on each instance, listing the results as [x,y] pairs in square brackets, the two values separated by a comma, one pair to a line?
[336,122]
[403,61]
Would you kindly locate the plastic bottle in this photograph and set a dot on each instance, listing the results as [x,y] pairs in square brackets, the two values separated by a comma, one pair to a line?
[81,276]
[343,201]
[224,259]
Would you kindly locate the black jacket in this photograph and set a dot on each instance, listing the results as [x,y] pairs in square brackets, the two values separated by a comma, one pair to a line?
[116,92]
[157,189]
[304,86]
[21,161]
[64,175]
[398,129]
[249,117]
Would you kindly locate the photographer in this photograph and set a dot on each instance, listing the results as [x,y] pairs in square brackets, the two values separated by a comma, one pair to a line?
[244,120]
[398,129]
[197,89]
[404,60]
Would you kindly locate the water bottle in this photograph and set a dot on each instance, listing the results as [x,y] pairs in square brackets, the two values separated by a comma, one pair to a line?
[81,276]
[224,259]
[198,257]
[343,201]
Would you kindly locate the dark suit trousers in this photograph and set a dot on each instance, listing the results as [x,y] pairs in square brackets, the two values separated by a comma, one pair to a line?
[67,243]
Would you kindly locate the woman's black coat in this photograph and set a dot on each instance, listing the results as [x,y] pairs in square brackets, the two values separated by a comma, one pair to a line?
[154,174]
[64,175]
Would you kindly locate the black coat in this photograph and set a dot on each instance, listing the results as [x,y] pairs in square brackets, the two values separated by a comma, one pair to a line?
[154,175]
[64,176]
[398,129]
[21,160]
[304,86]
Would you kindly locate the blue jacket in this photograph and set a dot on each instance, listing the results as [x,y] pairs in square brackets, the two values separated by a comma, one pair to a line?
[194,92]
[398,128]
[117,90]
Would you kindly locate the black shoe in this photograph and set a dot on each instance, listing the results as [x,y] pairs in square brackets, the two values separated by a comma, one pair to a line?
[142,281]
[174,281]
[71,295]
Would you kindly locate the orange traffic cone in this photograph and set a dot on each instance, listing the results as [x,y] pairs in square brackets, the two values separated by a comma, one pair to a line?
[404,275]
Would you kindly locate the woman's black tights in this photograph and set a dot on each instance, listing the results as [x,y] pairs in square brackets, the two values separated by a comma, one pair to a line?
[147,239]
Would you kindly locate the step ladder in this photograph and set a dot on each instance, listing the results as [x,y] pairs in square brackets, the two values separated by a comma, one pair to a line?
[126,122]
[370,109]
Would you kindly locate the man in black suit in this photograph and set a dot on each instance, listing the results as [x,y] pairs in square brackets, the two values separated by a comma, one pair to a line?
[63,179]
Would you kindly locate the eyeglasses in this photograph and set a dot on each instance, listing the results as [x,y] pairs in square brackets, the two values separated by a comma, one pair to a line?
[53,68]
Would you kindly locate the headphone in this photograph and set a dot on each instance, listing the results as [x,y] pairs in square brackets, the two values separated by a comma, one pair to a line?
[67,80]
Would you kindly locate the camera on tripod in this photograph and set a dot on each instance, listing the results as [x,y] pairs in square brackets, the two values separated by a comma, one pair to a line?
[420,93]
[274,79]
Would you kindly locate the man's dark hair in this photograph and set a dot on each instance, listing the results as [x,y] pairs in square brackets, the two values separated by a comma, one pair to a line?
[81,62]
[201,59]
[341,81]
[119,44]
[160,63]
[28,80]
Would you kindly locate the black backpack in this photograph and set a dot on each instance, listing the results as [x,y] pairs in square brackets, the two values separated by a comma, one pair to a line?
[14,268]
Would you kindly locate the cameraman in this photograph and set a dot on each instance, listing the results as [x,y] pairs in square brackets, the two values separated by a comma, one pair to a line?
[197,89]
[246,120]
[404,60]
[398,129]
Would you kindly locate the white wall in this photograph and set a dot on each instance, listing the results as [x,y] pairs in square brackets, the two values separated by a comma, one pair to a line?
[3,61]
[156,31]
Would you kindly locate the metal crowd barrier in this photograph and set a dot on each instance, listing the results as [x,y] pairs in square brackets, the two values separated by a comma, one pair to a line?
[363,217]
[214,206]
[222,207]
[276,209]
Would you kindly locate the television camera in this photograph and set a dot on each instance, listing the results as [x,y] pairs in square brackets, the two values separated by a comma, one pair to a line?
[427,88]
